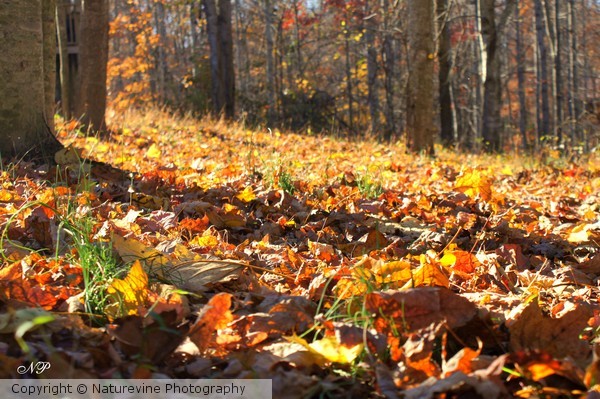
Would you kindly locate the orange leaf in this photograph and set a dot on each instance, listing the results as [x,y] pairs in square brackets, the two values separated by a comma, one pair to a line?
[214,316]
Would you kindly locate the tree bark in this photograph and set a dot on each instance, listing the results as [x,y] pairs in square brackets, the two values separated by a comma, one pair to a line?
[420,124]
[558,68]
[161,67]
[542,80]
[270,62]
[521,78]
[388,66]
[27,45]
[372,81]
[220,39]
[91,104]
[447,117]
[574,100]
[492,101]
[64,73]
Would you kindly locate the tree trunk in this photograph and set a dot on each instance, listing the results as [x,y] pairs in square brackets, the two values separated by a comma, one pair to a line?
[91,104]
[542,80]
[270,62]
[492,125]
[27,79]
[220,41]
[574,101]
[448,134]
[388,66]
[550,33]
[521,79]
[349,81]
[372,81]
[161,67]
[420,124]
[558,68]
[64,73]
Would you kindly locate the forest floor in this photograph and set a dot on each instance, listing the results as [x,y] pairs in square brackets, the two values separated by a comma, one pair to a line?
[341,268]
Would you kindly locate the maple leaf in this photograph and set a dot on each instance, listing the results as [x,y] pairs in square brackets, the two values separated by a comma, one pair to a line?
[128,296]
[475,182]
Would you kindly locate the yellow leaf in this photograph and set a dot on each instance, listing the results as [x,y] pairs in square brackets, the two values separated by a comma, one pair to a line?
[246,195]
[330,349]
[207,241]
[427,275]
[579,234]
[473,183]
[127,296]
[153,151]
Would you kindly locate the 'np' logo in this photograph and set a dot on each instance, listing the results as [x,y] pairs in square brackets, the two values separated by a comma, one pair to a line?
[34,368]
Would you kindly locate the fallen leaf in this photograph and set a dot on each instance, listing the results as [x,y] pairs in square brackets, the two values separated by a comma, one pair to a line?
[214,315]
[560,337]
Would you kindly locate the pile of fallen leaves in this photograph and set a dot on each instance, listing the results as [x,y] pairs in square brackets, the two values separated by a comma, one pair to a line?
[341,267]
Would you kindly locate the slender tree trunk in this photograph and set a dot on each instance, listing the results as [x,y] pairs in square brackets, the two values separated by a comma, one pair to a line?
[481,63]
[550,33]
[558,68]
[574,101]
[542,80]
[447,116]
[91,104]
[349,82]
[388,65]
[297,47]
[419,110]
[521,78]
[194,15]
[268,10]
[372,81]
[63,53]
[240,48]
[27,78]
[161,54]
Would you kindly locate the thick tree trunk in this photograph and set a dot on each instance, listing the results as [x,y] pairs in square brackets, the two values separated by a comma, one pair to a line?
[91,104]
[64,73]
[420,124]
[220,39]
[492,124]
[447,117]
[26,79]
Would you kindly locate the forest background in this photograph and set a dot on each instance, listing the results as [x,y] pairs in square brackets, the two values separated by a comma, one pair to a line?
[504,74]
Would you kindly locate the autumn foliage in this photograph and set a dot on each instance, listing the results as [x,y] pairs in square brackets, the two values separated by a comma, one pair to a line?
[342,267]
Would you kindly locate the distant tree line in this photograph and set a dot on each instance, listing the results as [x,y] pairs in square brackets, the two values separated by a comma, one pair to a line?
[471,74]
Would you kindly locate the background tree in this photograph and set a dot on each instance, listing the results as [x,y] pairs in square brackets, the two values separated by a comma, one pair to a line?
[420,124]
[27,76]
[220,39]
[91,101]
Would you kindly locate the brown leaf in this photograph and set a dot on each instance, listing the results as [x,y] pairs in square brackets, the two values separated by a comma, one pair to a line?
[215,315]
[531,329]
[417,308]
[152,338]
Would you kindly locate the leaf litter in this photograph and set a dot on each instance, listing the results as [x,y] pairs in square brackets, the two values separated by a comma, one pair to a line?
[341,267]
